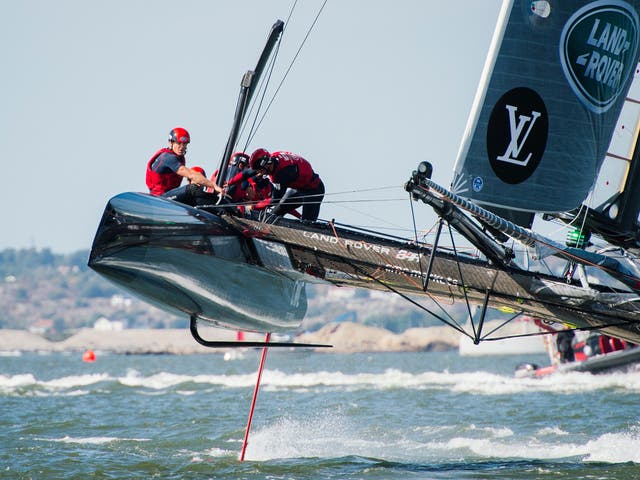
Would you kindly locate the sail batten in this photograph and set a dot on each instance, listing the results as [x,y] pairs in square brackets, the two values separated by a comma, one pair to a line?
[548,102]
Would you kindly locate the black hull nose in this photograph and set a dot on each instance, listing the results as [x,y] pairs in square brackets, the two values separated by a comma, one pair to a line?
[189,262]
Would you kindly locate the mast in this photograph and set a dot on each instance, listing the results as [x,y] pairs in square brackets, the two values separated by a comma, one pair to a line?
[248,87]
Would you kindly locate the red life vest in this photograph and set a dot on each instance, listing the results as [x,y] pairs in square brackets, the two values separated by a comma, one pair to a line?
[262,193]
[160,183]
[307,178]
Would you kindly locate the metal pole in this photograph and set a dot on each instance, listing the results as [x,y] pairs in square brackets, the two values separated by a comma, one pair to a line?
[425,284]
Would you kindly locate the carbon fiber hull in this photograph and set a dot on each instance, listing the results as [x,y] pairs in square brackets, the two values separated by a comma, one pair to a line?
[188,262]
[245,274]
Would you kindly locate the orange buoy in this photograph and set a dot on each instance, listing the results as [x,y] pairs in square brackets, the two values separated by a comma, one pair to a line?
[89,356]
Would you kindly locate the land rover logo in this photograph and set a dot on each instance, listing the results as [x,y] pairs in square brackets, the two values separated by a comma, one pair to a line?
[517,134]
[598,48]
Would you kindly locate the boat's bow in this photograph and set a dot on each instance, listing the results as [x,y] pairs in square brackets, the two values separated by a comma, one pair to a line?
[188,261]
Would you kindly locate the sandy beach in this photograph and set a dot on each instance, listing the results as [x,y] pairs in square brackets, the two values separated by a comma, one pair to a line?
[345,337]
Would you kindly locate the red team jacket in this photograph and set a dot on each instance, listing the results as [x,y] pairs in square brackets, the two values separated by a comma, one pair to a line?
[160,183]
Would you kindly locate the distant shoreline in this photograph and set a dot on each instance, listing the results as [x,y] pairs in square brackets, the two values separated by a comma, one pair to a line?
[345,337]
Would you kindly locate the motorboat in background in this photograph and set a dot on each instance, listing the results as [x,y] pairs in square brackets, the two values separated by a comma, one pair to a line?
[582,351]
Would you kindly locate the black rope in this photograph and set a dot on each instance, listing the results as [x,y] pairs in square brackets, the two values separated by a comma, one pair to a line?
[265,82]
[502,324]
[455,326]
[288,69]
[582,329]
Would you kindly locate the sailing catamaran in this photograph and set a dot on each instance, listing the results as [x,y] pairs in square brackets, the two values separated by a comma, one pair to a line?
[559,82]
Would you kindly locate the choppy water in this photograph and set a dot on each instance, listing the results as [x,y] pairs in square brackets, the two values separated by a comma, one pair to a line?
[408,415]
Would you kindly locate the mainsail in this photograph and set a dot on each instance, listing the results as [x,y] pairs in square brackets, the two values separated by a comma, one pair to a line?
[550,96]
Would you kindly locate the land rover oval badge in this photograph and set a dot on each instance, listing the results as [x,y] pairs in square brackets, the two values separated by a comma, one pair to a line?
[598,48]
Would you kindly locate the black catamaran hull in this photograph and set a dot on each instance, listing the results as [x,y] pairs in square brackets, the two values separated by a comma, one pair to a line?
[189,262]
[244,274]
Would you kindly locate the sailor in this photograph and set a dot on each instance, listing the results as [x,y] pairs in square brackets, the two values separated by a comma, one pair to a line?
[257,195]
[297,183]
[238,162]
[252,194]
[564,340]
[166,169]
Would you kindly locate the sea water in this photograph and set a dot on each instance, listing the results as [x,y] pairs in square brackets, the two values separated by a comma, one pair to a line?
[318,415]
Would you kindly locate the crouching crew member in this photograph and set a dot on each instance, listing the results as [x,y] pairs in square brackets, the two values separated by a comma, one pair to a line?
[258,195]
[297,183]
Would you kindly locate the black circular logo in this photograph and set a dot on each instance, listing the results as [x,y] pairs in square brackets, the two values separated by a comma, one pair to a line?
[517,134]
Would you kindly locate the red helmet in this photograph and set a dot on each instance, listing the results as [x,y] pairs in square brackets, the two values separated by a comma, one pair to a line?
[260,159]
[200,170]
[179,135]
[240,158]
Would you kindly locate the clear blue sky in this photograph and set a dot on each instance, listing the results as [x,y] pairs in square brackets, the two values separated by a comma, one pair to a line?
[91,89]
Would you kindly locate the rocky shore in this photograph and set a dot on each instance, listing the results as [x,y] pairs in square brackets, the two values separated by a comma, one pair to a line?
[345,337]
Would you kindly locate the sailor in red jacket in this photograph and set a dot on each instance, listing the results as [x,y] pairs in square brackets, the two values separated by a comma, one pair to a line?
[238,162]
[257,195]
[297,184]
[166,169]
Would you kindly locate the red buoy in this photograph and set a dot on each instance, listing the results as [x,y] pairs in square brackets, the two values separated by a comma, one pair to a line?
[89,356]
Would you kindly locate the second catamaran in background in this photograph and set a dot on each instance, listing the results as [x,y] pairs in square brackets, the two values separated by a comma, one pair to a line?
[557,86]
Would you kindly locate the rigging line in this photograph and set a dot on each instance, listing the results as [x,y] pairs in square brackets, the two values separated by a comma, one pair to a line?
[565,226]
[437,302]
[582,329]
[293,7]
[367,200]
[359,200]
[253,130]
[551,246]
[516,315]
[452,323]
[442,309]
[291,65]
[376,219]
[264,84]
[407,298]
[584,216]
[420,245]
[372,189]
[524,335]
[586,262]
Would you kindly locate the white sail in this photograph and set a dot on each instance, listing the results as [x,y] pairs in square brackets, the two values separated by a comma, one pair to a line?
[617,162]
[551,94]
